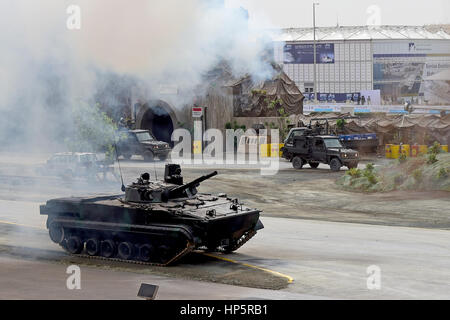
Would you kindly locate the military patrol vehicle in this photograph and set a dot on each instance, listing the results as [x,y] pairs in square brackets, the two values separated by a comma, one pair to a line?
[141,142]
[307,148]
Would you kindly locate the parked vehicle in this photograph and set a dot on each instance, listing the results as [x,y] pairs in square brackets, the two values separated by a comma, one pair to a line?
[76,165]
[143,143]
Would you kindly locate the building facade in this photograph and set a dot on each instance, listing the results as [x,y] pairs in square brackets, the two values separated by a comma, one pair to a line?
[353,61]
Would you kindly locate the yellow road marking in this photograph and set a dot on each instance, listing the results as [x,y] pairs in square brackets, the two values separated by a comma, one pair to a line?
[290,279]
[21,225]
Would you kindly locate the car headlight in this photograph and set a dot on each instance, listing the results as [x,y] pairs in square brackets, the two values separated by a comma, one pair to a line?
[345,155]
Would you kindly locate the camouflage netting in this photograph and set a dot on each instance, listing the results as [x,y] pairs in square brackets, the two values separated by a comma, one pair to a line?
[410,129]
[278,96]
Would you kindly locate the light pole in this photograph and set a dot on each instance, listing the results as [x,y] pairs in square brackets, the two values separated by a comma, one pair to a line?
[315,58]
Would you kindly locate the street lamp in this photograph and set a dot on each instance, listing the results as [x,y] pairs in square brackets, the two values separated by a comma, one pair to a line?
[315,58]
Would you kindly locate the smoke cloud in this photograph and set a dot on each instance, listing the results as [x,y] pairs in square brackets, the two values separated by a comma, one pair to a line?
[46,69]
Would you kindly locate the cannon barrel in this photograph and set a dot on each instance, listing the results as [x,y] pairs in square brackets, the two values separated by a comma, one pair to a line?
[176,191]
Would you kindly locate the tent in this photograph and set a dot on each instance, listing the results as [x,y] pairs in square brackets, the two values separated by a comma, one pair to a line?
[269,98]
[410,129]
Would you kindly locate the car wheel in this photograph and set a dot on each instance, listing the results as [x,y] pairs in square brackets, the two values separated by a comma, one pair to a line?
[314,165]
[148,156]
[297,163]
[335,164]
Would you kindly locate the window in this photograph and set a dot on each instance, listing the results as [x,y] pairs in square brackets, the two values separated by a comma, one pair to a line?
[333,143]
[144,136]
[319,144]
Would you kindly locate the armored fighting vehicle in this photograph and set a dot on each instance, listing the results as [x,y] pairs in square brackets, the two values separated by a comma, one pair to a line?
[155,222]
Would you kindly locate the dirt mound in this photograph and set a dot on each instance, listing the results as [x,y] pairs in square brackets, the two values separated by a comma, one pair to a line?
[425,173]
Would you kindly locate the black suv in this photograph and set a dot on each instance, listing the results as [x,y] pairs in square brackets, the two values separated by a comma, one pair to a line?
[141,142]
[315,149]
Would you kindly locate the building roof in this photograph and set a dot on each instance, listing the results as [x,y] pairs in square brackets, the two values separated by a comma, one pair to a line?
[360,33]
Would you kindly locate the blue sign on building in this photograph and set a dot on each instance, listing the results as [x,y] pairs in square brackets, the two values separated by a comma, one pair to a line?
[304,53]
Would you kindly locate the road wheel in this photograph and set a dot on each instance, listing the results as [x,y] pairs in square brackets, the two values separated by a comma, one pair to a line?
[145,252]
[56,234]
[108,248]
[74,245]
[335,164]
[148,156]
[313,165]
[164,253]
[93,247]
[297,163]
[126,250]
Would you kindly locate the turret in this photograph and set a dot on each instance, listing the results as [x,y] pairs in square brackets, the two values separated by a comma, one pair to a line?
[146,191]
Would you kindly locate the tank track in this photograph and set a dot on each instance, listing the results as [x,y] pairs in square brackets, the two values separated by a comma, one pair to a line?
[189,248]
[240,242]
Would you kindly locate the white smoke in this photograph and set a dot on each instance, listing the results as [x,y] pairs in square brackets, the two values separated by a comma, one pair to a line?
[45,67]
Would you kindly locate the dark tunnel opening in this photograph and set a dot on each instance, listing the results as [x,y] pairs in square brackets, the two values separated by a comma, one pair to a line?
[158,120]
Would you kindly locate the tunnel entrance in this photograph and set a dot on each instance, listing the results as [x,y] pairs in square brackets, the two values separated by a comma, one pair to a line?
[158,120]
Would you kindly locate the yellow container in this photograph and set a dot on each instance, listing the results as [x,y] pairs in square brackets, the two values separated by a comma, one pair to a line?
[197,147]
[406,150]
[395,151]
[423,149]
[264,150]
[444,148]
[275,150]
[281,152]
[388,151]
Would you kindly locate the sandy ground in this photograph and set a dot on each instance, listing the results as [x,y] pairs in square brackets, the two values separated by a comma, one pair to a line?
[327,259]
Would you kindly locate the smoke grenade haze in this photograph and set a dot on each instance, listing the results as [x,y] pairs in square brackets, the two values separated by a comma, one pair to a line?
[47,69]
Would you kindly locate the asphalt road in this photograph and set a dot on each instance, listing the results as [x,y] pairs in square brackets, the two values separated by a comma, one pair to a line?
[325,259]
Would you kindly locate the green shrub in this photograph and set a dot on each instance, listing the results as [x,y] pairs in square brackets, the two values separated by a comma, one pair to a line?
[370,167]
[340,124]
[432,158]
[368,172]
[435,148]
[402,158]
[354,173]
[372,178]
[442,173]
